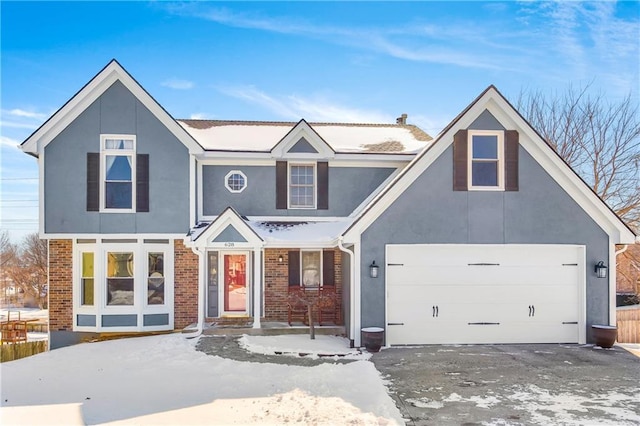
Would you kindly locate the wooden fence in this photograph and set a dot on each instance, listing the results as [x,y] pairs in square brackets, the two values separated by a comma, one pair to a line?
[13,351]
[628,322]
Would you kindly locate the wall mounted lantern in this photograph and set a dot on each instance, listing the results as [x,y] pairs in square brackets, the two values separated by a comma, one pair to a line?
[601,270]
[280,259]
[373,270]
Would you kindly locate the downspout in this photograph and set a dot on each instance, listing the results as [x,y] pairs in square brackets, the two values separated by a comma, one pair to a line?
[622,250]
[613,276]
[352,284]
[201,289]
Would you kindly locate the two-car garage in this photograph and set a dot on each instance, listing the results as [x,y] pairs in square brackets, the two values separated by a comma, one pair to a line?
[459,293]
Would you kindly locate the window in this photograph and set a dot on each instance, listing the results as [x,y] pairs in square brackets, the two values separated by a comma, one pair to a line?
[485,160]
[311,268]
[235,181]
[302,189]
[155,279]
[86,295]
[120,278]
[118,166]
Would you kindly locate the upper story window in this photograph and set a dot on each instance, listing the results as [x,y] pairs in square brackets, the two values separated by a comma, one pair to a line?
[485,160]
[235,181]
[118,157]
[302,186]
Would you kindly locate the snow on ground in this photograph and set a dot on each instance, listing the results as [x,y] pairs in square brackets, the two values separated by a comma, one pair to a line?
[296,345]
[164,380]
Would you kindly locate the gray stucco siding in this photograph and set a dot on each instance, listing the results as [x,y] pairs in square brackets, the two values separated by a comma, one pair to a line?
[348,188]
[116,111]
[430,212]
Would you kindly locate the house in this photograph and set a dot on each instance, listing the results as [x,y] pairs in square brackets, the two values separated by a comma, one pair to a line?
[481,235]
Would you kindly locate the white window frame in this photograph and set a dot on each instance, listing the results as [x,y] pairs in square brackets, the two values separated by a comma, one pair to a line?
[321,283]
[315,185]
[140,307]
[226,181]
[500,160]
[104,152]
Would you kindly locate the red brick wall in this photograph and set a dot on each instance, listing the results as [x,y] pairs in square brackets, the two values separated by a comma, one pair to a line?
[276,279]
[60,285]
[185,285]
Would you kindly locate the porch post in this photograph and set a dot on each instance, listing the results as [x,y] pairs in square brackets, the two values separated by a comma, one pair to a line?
[202,272]
[257,286]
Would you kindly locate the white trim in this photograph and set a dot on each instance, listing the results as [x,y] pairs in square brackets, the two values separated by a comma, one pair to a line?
[257,286]
[88,94]
[235,172]
[200,193]
[41,197]
[315,185]
[529,140]
[140,306]
[321,266]
[302,130]
[222,282]
[612,283]
[357,294]
[341,160]
[193,194]
[228,217]
[499,134]
[104,152]
[98,237]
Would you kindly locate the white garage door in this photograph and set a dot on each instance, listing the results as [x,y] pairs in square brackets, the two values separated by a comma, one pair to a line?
[484,294]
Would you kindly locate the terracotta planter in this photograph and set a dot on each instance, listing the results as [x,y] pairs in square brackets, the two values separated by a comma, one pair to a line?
[605,335]
[372,337]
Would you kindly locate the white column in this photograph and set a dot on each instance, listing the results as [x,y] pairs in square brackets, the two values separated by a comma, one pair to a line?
[202,281]
[257,286]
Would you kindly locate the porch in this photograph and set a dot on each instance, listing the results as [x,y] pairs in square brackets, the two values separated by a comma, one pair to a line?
[268,328]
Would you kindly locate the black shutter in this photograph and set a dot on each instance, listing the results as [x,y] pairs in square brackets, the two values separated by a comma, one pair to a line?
[328,268]
[511,160]
[460,161]
[281,184]
[294,268]
[93,181]
[142,183]
[323,185]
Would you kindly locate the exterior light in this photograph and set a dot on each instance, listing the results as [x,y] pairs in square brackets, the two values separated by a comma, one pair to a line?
[373,270]
[601,270]
[280,259]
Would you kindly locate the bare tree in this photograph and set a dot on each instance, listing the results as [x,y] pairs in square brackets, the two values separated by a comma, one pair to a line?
[28,269]
[600,140]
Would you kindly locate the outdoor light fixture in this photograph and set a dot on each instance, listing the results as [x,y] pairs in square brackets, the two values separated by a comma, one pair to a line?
[601,270]
[280,259]
[373,270]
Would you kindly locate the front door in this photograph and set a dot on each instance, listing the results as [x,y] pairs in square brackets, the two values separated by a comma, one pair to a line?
[235,288]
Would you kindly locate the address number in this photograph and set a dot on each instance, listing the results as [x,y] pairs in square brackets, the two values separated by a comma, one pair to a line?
[229,244]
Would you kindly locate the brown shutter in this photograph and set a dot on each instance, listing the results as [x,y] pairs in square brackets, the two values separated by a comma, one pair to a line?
[294,268]
[328,268]
[142,183]
[511,160]
[323,185]
[281,184]
[93,181]
[460,161]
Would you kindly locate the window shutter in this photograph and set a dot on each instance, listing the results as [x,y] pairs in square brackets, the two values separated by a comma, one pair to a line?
[511,160]
[460,145]
[93,181]
[281,184]
[142,183]
[323,185]
[294,268]
[328,267]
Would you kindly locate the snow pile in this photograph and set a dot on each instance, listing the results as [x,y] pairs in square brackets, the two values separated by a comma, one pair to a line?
[302,345]
[164,380]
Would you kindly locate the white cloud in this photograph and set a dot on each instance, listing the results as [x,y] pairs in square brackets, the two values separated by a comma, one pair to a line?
[17,112]
[8,142]
[200,116]
[294,107]
[15,125]
[178,84]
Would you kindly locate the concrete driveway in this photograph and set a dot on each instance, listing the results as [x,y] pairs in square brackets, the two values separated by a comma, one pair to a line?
[513,384]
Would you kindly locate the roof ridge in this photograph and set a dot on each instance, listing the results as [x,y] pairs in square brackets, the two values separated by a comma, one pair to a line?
[284,123]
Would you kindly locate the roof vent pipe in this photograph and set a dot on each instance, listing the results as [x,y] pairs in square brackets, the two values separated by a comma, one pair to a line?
[402,119]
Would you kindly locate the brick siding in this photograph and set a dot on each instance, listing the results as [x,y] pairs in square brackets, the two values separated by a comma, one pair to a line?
[276,278]
[186,285]
[60,285]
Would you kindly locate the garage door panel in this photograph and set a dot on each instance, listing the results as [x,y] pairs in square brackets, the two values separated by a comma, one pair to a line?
[519,294]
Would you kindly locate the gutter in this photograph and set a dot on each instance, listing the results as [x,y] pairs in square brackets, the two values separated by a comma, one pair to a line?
[342,248]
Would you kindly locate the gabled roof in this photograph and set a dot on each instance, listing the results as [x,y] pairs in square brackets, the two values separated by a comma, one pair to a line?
[493,101]
[302,131]
[111,73]
[201,236]
[263,136]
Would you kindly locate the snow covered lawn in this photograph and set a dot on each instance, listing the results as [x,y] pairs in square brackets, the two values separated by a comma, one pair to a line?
[164,380]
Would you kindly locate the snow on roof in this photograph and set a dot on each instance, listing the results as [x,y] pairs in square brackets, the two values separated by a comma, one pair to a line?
[290,232]
[262,136]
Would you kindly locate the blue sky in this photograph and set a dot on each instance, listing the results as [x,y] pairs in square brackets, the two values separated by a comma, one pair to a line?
[345,62]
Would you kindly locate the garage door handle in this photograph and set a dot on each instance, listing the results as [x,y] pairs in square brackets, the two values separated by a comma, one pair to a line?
[395,323]
[483,264]
[532,311]
[569,322]
[483,323]
[435,311]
